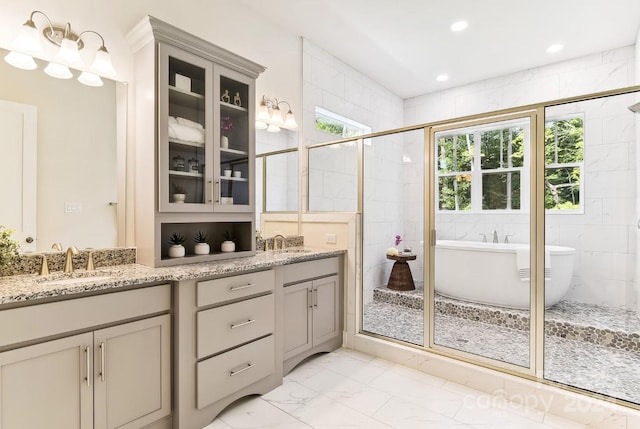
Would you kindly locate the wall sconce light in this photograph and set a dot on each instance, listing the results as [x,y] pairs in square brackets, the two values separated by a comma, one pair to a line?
[27,45]
[269,116]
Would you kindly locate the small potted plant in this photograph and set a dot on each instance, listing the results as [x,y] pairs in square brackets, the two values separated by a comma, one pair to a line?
[201,247]
[226,126]
[179,194]
[176,250]
[228,245]
[8,247]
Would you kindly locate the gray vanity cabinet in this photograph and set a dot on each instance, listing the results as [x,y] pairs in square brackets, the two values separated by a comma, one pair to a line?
[112,377]
[312,309]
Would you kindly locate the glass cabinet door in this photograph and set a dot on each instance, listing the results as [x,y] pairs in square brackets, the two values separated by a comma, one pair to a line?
[234,117]
[185,137]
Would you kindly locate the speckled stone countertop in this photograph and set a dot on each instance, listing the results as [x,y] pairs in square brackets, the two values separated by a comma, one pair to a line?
[18,289]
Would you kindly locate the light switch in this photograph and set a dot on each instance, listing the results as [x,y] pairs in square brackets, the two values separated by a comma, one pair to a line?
[72,207]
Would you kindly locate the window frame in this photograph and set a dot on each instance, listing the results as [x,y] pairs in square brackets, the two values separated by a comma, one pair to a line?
[476,172]
[578,164]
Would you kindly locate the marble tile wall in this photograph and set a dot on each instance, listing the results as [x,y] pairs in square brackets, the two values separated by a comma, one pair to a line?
[332,84]
[605,233]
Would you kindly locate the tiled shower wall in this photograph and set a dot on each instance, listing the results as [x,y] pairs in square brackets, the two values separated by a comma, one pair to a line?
[332,84]
[605,234]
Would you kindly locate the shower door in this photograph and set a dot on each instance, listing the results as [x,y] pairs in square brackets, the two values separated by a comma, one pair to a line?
[481,250]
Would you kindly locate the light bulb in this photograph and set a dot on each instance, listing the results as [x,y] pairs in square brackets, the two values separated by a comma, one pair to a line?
[90,79]
[290,121]
[20,60]
[68,54]
[28,40]
[58,71]
[102,63]
[263,113]
[261,125]
[273,128]
[276,116]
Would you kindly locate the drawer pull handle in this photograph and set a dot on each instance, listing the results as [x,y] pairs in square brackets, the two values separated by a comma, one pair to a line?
[235,288]
[238,325]
[248,366]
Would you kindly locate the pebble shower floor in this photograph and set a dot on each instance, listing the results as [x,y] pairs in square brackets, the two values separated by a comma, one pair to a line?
[598,368]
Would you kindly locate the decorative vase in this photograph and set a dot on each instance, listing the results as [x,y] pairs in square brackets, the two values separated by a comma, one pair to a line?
[228,246]
[179,198]
[176,251]
[224,142]
[201,249]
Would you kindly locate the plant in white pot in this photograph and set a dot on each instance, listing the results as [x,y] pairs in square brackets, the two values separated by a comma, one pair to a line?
[228,245]
[179,194]
[176,250]
[201,247]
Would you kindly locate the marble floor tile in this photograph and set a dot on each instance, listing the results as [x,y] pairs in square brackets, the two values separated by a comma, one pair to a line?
[314,396]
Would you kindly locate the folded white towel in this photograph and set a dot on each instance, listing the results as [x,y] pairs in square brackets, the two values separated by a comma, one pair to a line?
[182,132]
[172,120]
[524,267]
[189,123]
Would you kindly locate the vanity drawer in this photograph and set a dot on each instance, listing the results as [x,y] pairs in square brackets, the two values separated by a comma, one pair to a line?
[224,327]
[219,290]
[303,271]
[229,372]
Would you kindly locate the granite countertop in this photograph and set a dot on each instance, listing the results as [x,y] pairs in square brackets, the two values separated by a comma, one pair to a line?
[19,289]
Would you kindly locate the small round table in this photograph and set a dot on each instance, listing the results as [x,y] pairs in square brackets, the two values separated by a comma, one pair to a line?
[400,277]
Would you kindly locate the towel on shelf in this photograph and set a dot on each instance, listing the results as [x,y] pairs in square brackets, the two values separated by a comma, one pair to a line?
[524,267]
[189,123]
[184,132]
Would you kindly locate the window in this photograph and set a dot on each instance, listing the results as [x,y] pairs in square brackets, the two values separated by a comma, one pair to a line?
[338,125]
[480,169]
[564,155]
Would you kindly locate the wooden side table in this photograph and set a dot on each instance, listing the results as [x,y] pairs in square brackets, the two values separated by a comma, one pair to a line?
[400,277]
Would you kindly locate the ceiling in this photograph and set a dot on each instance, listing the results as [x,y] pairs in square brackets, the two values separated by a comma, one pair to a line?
[405,44]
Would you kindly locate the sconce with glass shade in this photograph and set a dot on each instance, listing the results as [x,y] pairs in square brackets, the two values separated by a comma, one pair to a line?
[269,116]
[28,45]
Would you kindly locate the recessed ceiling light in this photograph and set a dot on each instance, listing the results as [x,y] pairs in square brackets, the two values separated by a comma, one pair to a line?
[459,26]
[442,77]
[556,47]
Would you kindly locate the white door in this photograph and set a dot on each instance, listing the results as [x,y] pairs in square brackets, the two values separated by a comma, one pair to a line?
[18,173]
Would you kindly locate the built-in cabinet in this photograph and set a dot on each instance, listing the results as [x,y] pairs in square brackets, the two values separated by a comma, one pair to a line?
[113,377]
[195,145]
[227,346]
[312,308]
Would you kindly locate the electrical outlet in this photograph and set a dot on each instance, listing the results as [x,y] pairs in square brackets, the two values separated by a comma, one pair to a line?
[71,207]
[330,239]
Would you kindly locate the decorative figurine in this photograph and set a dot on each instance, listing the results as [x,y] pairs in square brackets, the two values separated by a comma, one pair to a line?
[236,100]
[226,97]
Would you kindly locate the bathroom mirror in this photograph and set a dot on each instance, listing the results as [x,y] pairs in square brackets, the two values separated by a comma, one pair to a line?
[276,175]
[71,172]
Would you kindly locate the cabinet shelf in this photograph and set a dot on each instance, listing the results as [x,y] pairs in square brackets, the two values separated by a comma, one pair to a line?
[187,174]
[228,155]
[233,107]
[193,95]
[233,179]
[186,143]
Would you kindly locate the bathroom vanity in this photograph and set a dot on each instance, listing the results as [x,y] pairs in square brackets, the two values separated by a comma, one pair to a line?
[134,346]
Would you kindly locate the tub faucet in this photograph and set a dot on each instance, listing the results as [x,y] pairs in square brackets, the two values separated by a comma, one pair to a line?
[494,233]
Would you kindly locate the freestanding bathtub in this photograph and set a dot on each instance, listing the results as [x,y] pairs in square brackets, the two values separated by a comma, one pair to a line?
[487,273]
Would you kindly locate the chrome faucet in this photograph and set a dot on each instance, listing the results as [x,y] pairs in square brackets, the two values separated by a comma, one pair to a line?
[68,260]
[484,237]
[275,241]
[494,233]
[506,237]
